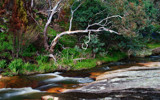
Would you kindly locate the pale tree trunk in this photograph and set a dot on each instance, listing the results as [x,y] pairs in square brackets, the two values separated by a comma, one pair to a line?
[87,30]
[53,11]
[103,24]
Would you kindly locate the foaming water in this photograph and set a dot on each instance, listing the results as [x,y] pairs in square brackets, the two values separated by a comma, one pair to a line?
[6,93]
[33,87]
[48,74]
[60,78]
[59,81]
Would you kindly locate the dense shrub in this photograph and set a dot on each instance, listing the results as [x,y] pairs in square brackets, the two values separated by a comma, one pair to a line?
[16,65]
[3,63]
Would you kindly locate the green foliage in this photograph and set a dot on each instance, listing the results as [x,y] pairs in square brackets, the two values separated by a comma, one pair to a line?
[95,44]
[52,32]
[70,53]
[64,25]
[42,58]
[87,12]
[85,64]
[7,73]
[150,9]
[68,41]
[153,45]
[29,67]
[29,51]
[134,43]
[5,42]
[3,63]
[46,67]
[16,65]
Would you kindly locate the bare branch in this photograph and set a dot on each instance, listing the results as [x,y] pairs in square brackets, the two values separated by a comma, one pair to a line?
[32,3]
[72,13]
[86,43]
[55,40]
[54,10]
[35,21]
[102,27]
[100,23]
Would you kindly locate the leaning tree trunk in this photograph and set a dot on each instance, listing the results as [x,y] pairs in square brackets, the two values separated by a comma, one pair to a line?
[53,11]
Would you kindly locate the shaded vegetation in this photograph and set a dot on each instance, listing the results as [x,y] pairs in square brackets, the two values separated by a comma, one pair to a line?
[22,49]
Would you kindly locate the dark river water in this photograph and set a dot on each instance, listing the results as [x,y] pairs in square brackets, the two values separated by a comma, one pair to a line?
[33,87]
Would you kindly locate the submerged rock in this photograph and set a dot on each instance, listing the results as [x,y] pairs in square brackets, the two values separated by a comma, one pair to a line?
[124,82]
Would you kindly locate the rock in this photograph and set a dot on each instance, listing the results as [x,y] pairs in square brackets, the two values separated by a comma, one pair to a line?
[99,63]
[49,97]
[95,74]
[2,85]
[135,78]
[143,53]
[156,51]
[0,76]
[150,64]
[56,90]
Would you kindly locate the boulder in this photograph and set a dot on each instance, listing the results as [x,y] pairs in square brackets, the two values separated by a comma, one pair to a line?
[49,97]
[136,81]
[156,51]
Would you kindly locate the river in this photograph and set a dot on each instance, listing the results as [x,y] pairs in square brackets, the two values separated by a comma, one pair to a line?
[35,86]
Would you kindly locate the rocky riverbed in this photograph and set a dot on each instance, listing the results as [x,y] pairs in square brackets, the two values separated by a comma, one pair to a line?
[134,83]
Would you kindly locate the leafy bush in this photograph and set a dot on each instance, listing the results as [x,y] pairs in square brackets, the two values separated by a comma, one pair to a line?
[87,12]
[41,58]
[29,67]
[4,42]
[16,65]
[3,63]
[68,41]
[95,44]
[45,67]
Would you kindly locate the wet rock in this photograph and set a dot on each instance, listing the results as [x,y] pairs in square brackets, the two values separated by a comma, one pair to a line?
[55,90]
[129,78]
[142,53]
[49,97]
[2,85]
[156,51]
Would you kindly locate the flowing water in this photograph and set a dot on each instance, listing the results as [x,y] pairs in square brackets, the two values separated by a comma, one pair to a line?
[35,86]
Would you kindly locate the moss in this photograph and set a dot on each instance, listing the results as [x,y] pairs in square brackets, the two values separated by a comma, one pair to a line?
[70,54]
[52,32]
[85,64]
[153,45]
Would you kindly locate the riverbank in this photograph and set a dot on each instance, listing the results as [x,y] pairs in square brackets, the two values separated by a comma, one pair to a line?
[69,59]
[45,65]
[53,84]
[137,82]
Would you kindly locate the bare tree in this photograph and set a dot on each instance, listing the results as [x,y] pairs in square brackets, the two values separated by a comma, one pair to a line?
[102,27]
[53,11]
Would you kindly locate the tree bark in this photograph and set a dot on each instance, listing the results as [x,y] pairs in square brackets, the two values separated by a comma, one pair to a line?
[54,10]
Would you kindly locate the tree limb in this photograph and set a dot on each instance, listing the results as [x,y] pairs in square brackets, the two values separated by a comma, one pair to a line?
[53,11]
[72,13]
[55,40]
[102,27]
